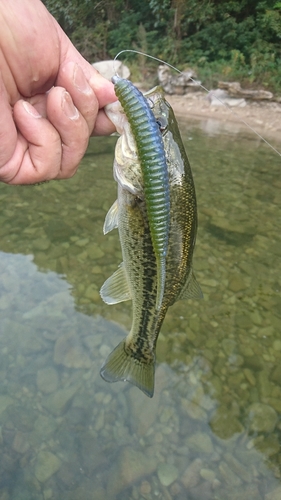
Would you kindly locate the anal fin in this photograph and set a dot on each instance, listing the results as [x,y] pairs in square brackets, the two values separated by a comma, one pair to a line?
[192,289]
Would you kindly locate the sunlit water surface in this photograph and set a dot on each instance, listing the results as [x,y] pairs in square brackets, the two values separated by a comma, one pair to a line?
[212,430]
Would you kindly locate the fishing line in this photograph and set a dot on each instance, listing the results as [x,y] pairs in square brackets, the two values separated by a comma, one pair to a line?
[202,86]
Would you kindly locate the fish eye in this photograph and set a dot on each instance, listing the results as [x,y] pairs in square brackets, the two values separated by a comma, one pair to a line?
[162,124]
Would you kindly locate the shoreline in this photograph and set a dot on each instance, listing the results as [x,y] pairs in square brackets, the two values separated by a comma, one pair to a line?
[263,116]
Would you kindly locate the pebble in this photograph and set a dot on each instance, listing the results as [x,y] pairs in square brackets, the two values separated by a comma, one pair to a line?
[46,465]
[274,494]
[70,352]
[225,424]
[20,443]
[200,442]
[167,474]
[5,401]
[208,474]
[191,475]
[57,402]
[131,465]
[47,380]
[262,417]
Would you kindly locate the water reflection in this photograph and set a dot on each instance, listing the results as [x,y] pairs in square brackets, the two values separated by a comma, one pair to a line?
[212,430]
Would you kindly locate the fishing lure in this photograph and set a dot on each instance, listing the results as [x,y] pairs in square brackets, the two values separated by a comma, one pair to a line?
[151,154]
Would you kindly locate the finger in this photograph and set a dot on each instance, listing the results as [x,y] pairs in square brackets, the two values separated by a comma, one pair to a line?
[37,155]
[103,125]
[72,128]
[8,132]
[103,88]
[73,79]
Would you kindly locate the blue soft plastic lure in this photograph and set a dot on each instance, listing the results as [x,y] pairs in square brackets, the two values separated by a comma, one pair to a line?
[150,149]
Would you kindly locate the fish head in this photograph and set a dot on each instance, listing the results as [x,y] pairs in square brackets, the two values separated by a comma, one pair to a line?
[161,109]
[174,151]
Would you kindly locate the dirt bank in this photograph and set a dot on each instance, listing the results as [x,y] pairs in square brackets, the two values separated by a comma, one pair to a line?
[264,116]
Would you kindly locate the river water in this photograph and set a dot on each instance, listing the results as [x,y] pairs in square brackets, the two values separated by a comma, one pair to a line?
[212,430]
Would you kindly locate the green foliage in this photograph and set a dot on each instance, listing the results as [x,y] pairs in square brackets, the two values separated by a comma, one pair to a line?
[232,38]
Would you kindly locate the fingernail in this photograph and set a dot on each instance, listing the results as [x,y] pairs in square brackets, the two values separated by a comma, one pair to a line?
[68,106]
[31,110]
[80,81]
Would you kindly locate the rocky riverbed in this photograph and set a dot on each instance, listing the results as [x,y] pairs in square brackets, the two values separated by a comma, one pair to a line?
[212,430]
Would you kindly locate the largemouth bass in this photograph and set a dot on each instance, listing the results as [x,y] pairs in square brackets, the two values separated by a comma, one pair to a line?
[133,360]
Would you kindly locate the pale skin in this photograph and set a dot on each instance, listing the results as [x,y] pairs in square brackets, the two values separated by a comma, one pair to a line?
[51,99]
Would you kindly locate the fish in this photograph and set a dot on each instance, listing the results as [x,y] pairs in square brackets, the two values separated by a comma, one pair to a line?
[133,359]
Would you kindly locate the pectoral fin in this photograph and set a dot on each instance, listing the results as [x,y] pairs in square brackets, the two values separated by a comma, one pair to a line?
[111,218]
[116,289]
[191,290]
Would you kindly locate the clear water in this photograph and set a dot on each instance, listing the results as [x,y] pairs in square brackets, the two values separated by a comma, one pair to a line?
[212,430]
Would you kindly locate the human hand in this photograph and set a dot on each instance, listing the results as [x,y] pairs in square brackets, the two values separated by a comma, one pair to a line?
[51,98]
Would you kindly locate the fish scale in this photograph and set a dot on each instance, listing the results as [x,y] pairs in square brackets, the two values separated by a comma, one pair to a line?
[154,168]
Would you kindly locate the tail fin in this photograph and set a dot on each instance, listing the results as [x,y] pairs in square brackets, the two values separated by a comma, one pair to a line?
[121,365]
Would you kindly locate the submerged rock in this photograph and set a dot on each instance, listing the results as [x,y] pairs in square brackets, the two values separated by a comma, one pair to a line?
[70,352]
[262,417]
[47,380]
[167,473]
[57,402]
[225,424]
[200,442]
[191,476]
[130,466]
[46,465]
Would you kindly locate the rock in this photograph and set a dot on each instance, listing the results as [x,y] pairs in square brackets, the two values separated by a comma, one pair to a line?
[276,375]
[41,244]
[238,468]
[143,415]
[69,352]
[5,401]
[167,473]
[225,424]
[234,89]
[45,426]
[179,84]
[91,454]
[46,465]
[208,474]
[229,346]
[20,443]
[88,490]
[201,492]
[220,97]
[200,442]
[236,283]
[130,466]
[109,68]
[228,476]
[269,446]
[194,411]
[94,251]
[47,380]
[274,495]
[57,402]
[262,417]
